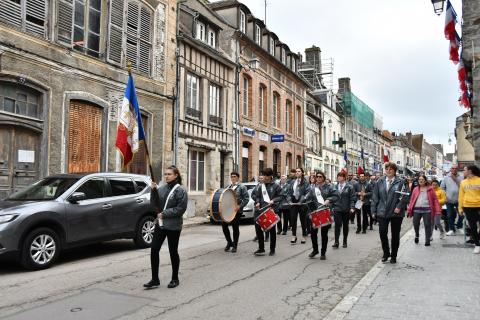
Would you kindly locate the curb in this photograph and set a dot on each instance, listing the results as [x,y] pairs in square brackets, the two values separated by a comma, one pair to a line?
[343,308]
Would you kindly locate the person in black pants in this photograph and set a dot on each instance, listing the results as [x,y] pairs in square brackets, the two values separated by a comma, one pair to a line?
[266,194]
[325,194]
[343,208]
[388,206]
[242,201]
[284,207]
[363,192]
[298,191]
[170,201]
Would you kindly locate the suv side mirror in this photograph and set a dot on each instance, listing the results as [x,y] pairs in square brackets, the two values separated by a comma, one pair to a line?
[77,196]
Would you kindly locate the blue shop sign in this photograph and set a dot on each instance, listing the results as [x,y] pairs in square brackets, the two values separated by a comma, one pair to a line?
[248,131]
[278,137]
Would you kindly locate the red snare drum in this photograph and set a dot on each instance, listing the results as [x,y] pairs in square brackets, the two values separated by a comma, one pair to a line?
[321,217]
[267,219]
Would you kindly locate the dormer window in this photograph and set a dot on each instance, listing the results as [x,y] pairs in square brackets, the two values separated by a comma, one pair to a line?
[243,22]
[212,38]
[200,31]
[258,39]
[272,46]
[282,56]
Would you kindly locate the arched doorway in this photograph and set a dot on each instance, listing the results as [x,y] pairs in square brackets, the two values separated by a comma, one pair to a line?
[277,157]
[262,158]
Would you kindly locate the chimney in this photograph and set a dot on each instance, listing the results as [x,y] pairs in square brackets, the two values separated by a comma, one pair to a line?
[313,56]
[344,85]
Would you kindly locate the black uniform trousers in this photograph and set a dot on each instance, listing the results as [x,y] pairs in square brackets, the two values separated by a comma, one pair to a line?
[296,211]
[323,234]
[159,235]
[341,219]
[235,228]
[396,225]
[362,218]
[261,239]
[285,215]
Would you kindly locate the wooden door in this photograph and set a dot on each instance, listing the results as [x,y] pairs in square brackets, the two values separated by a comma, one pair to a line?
[139,162]
[84,137]
[19,159]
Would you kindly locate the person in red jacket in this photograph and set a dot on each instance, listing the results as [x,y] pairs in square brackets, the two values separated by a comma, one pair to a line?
[423,204]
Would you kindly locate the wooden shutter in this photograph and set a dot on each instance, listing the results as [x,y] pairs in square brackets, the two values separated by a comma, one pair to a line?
[36,17]
[115,38]
[84,137]
[145,41]
[132,33]
[65,22]
[11,13]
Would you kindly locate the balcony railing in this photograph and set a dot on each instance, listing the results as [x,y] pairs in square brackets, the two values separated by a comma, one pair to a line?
[194,113]
[199,132]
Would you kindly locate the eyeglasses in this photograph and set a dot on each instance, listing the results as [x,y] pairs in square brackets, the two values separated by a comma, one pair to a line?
[321,177]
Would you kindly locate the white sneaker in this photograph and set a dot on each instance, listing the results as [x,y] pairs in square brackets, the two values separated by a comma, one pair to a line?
[460,231]
[451,233]
[476,250]
[442,235]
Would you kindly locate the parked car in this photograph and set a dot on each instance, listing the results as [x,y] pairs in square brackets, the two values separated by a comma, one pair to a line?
[68,210]
[248,209]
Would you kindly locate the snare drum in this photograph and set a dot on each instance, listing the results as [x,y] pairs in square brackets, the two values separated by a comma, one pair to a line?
[223,204]
[267,219]
[321,217]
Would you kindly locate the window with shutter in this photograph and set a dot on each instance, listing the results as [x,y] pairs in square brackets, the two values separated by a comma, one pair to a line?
[65,21]
[28,15]
[115,38]
[84,137]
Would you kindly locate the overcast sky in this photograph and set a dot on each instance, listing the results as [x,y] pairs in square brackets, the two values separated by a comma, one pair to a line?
[394,52]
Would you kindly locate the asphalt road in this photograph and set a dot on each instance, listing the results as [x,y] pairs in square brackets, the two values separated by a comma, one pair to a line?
[213,284]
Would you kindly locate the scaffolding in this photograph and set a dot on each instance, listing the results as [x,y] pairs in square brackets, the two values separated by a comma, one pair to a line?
[358,110]
[316,71]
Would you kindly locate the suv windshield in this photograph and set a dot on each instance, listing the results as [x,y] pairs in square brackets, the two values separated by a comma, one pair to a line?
[45,189]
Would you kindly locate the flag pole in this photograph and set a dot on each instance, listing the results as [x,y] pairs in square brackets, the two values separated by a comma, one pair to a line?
[152,176]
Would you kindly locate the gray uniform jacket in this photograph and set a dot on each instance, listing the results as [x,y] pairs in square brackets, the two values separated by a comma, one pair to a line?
[176,206]
[303,190]
[328,193]
[368,191]
[450,184]
[274,192]
[285,189]
[384,203]
[346,198]
[242,196]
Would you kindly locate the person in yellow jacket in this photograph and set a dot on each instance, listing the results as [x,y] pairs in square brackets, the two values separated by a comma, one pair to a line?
[442,199]
[469,202]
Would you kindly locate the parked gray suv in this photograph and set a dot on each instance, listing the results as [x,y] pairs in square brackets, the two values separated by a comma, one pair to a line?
[68,210]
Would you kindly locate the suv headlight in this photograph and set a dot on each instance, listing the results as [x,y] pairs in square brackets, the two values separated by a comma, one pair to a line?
[7,217]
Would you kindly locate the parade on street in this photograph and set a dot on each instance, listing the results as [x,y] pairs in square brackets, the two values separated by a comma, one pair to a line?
[239,159]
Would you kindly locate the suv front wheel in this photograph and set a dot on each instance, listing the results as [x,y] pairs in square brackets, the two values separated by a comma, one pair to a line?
[144,234]
[40,249]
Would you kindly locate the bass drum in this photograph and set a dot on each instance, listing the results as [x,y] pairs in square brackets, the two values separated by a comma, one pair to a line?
[223,204]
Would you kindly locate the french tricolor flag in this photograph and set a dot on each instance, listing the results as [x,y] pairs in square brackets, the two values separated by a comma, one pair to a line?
[130,128]
[450,21]
[453,49]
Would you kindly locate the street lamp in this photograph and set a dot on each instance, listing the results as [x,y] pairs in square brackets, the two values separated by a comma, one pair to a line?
[438,6]
[330,123]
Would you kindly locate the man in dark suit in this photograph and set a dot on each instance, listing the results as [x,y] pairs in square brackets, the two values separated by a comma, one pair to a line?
[388,206]
[242,201]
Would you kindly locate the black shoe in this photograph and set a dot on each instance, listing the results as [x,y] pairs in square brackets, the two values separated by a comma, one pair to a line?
[344,245]
[294,240]
[335,245]
[284,233]
[470,241]
[427,244]
[322,257]
[279,231]
[227,248]
[313,254]
[259,252]
[393,260]
[358,231]
[255,239]
[303,240]
[173,284]
[234,249]
[416,240]
[364,231]
[371,228]
[272,253]
[385,258]
[152,284]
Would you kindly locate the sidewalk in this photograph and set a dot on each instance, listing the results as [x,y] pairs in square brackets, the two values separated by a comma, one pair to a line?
[437,282]
[194,221]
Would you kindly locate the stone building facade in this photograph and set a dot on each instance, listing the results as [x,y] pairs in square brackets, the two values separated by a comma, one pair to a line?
[271,103]
[313,134]
[62,78]
[206,49]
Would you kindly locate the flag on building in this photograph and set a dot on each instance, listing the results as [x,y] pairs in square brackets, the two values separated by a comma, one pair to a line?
[130,128]
[385,155]
[345,156]
[450,22]
[362,156]
[454,47]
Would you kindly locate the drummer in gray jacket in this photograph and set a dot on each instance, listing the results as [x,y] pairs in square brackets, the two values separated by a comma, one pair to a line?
[242,201]
[389,201]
